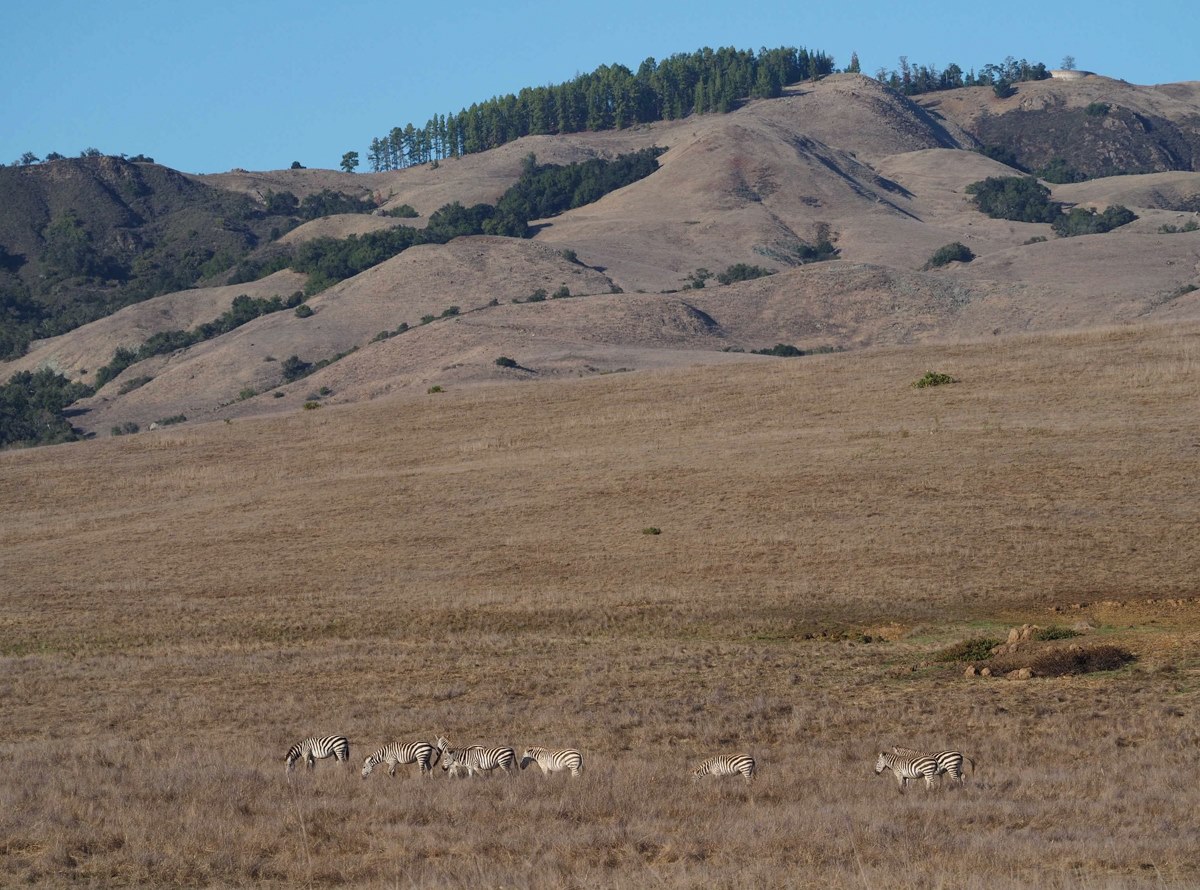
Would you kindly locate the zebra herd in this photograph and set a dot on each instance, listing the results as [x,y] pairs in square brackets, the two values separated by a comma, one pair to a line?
[455,761]
[905,763]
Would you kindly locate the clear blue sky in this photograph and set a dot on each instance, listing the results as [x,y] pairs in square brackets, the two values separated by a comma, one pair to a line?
[207,86]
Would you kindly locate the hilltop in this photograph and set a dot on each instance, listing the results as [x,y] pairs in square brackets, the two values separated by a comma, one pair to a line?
[845,161]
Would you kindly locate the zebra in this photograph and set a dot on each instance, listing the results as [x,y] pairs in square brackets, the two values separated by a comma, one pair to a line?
[907,767]
[554,761]
[314,749]
[950,762]
[476,758]
[421,753]
[727,765]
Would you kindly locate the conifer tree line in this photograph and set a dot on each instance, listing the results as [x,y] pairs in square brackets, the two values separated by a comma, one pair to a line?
[912,80]
[611,97]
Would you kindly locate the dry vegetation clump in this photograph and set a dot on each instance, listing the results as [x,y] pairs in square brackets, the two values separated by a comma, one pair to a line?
[1057,660]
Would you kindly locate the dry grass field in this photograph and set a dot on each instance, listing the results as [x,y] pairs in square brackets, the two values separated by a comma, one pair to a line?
[179,607]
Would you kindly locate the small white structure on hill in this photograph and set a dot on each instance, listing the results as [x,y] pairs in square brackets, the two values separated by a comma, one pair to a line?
[1069,74]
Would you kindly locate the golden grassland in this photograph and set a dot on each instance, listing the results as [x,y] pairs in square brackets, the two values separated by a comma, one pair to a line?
[178,607]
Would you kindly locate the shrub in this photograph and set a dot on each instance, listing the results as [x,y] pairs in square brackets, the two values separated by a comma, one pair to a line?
[1057,661]
[537,296]
[505,362]
[247,393]
[173,419]
[434,389]
[303,310]
[132,384]
[956,252]
[743,272]
[1016,198]
[426,319]
[1083,221]
[933,378]
[404,211]
[1003,89]
[563,291]
[652,530]
[974,649]
[1097,109]
[1059,171]
[311,406]
[127,428]
[1054,633]
[1167,229]
[294,368]
[450,312]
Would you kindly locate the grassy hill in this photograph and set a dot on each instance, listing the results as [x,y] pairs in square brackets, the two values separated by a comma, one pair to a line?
[479,564]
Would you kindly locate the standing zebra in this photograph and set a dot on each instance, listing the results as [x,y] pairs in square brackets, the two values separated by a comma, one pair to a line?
[554,761]
[421,753]
[727,765]
[314,749]
[476,758]
[950,762]
[907,767]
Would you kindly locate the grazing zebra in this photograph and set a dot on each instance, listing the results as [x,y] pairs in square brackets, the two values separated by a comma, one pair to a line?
[727,765]
[553,761]
[476,758]
[950,762]
[315,749]
[421,753]
[907,767]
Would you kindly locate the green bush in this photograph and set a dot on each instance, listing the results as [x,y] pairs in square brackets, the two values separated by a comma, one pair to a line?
[1097,109]
[434,389]
[1016,198]
[974,649]
[311,406]
[304,310]
[1167,229]
[1084,221]
[1060,171]
[743,272]
[1054,633]
[173,419]
[450,312]
[128,428]
[652,530]
[248,393]
[537,296]
[132,384]
[563,291]
[956,252]
[505,362]
[933,378]
[404,211]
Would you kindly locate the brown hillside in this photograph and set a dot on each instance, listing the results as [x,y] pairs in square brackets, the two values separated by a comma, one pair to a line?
[885,177]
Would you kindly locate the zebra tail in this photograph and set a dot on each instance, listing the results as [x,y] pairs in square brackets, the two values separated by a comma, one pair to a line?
[972,762]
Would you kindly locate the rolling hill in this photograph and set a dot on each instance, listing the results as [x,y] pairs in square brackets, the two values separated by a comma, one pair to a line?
[882,176]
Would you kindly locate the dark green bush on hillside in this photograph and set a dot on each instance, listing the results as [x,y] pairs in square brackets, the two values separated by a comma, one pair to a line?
[1017,198]
[1083,221]
[955,252]
[32,405]
[1060,171]
[743,272]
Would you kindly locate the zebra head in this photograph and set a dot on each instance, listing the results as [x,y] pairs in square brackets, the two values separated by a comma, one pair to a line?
[368,766]
[530,756]
[450,757]
[881,764]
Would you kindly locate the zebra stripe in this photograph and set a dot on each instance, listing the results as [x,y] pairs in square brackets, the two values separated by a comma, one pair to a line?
[553,761]
[421,753]
[476,758]
[314,749]
[905,768]
[727,765]
[950,762]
